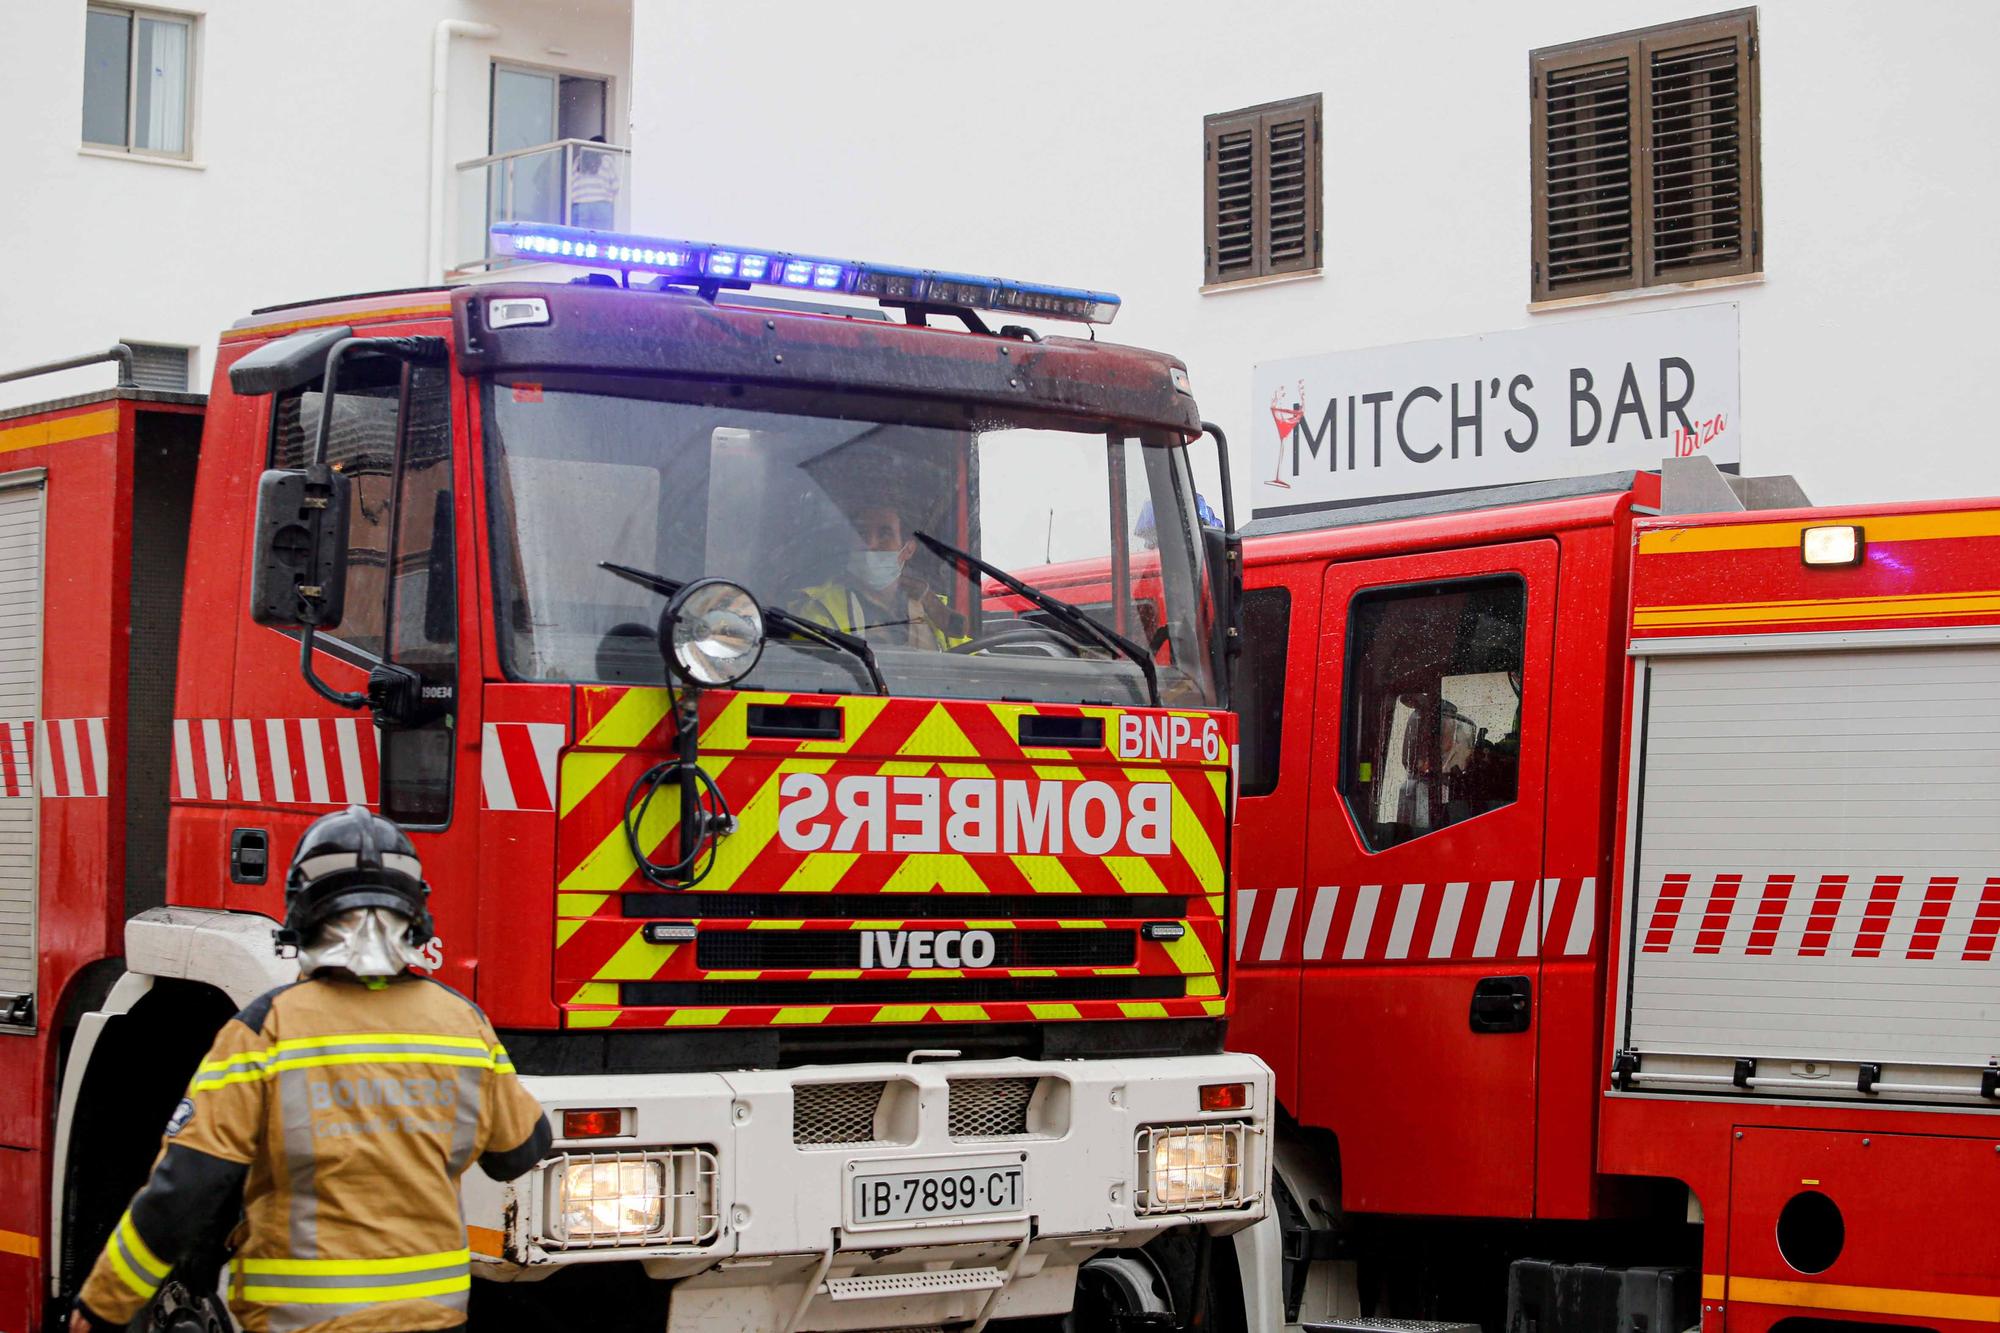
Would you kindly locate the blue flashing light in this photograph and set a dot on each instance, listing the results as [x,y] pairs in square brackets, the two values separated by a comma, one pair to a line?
[694,262]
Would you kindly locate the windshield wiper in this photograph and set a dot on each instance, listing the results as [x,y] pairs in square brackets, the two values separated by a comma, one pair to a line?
[1061,610]
[793,626]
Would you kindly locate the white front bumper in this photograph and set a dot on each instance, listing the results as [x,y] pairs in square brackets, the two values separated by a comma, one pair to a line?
[783,1208]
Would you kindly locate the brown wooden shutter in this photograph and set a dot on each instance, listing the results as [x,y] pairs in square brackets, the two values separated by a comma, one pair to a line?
[1644,158]
[1586,160]
[1289,138]
[1261,194]
[1233,197]
[1701,216]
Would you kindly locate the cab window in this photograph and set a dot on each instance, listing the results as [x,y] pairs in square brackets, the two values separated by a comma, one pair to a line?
[1260,687]
[1432,705]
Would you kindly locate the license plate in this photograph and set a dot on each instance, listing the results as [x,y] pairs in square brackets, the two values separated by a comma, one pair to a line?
[881,1192]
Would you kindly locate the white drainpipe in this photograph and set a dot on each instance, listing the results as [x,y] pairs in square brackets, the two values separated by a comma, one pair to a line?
[440,166]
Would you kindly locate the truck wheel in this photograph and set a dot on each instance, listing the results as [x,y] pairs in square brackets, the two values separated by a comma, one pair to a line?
[1120,1290]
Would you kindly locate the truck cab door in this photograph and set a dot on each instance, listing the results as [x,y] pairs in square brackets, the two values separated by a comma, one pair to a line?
[288,757]
[1425,909]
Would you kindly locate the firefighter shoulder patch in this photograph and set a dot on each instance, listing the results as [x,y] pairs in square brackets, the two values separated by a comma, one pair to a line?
[178,1121]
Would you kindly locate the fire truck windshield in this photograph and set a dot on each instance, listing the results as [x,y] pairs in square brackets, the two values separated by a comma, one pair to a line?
[813,501]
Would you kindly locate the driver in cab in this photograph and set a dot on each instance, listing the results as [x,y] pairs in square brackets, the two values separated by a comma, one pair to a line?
[875,596]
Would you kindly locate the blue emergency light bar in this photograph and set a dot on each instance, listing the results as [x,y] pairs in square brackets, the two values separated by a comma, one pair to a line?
[735,266]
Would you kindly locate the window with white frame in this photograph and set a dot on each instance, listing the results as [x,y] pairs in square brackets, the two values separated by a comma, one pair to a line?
[138,80]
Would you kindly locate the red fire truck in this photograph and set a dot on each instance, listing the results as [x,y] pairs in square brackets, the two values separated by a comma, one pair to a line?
[1618,883]
[870,963]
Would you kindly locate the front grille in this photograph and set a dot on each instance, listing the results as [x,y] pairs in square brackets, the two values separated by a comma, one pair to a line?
[908,906]
[923,990]
[732,949]
[990,1108]
[836,1113]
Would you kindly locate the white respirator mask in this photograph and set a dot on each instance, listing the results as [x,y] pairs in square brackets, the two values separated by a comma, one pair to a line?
[363,941]
[876,570]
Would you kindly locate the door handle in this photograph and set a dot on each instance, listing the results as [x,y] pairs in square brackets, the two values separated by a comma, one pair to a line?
[249,855]
[1502,1004]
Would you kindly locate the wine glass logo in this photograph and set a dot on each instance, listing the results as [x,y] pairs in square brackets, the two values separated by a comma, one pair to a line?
[1287,420]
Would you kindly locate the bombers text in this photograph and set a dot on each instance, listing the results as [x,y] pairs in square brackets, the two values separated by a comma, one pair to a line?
[875,813]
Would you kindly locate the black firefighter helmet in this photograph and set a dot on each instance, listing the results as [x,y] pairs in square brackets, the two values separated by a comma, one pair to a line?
[348,859]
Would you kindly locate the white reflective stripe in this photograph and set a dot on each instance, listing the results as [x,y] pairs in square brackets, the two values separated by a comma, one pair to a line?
[314,754]
[72,758]
[246,760]
[1584,922]
[1498,894]
[346,733]
[212,759]
[1531,924]
[1449,910]
[1246,903]
[1364,920]
[1405,924]
[97,756]
[547,738]
[1321,920]
[281,760]
[408,865]
[499,788]
[184,760]
[328,862]
[1276,928]
[42,760]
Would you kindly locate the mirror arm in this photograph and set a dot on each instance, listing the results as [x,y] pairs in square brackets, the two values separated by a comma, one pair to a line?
[1228,492]
[344,698]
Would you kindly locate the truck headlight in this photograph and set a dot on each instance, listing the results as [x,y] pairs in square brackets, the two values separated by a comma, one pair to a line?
[652,1196]
[1187,1168]
[598,1200]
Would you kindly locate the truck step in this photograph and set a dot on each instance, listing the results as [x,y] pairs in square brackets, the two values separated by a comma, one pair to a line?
[1382,1324]
[875,1286]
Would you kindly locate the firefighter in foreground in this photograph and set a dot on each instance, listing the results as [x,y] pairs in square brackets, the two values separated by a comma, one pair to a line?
[332,1120]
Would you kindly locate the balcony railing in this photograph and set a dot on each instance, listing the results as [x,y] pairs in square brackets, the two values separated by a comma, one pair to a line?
[577,182]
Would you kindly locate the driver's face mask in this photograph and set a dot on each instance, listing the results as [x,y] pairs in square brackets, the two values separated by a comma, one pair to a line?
[363,941]
[875,570]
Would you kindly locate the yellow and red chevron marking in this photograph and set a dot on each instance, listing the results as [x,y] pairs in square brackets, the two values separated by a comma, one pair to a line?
[622,733]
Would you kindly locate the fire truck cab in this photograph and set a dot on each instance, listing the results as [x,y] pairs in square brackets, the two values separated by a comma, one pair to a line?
[864,941]
[1618,878]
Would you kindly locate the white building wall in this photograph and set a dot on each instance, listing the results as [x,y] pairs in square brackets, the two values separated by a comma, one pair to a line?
[1062,141]
[309,176]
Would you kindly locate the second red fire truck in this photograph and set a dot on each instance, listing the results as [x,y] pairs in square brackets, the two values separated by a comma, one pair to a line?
[1617,901]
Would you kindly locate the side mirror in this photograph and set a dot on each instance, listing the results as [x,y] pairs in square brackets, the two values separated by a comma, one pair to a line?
[298,572]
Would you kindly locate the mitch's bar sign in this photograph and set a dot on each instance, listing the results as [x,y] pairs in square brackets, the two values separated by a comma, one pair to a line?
[1562,399]
[875,813]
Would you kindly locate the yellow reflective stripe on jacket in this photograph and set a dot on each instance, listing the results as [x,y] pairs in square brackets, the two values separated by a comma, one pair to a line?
[402,1263]
[133,1260]
[353,1281]
[350,1049]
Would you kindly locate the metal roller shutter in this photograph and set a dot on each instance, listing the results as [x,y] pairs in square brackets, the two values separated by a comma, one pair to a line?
[1816,873]
[20,699]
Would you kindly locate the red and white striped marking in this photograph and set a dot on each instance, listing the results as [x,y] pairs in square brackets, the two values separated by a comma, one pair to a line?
[517,764]
[277,760]
[1915,918]
[64,756]
[1377,923]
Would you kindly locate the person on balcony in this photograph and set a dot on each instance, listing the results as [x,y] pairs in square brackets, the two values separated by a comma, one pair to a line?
[593,187]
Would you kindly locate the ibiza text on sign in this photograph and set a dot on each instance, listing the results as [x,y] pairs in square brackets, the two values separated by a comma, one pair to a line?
[877,813]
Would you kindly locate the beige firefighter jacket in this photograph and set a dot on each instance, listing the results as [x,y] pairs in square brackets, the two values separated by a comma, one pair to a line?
[339,1118]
